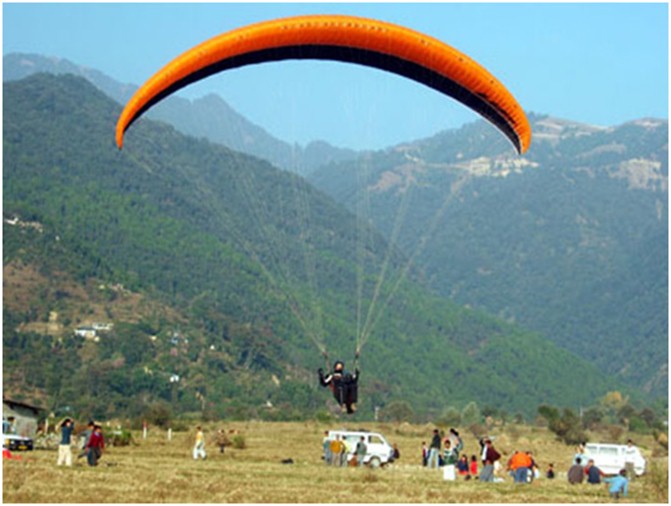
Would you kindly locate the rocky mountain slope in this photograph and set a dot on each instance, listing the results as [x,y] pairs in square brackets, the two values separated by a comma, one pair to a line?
[569,240]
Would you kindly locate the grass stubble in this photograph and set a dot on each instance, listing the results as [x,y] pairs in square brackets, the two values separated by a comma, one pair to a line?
[159,471]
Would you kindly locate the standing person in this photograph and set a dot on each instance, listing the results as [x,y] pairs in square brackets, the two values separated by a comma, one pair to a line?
[361,450]
[631,455]
[345,450]
[326,446]
[576,473]
[487,473]
[619,485]
[491,454]
[434,450]
[64,449]
[199,446]
[580,454]
[95,446]
[222,440]
[425,454]
[336,448]
[86,435]
[455,440]
[483,450]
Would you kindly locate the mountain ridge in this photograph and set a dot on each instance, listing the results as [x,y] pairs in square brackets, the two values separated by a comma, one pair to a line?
[209,116]
[220,246]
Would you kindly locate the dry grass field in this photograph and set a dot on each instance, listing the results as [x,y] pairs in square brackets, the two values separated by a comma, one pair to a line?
[159,471]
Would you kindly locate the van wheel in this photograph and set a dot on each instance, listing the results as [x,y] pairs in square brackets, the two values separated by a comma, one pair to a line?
[374,462]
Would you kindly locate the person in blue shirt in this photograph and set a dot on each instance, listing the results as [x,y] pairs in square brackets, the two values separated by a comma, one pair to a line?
[594,474]
[64,450]
[619,485]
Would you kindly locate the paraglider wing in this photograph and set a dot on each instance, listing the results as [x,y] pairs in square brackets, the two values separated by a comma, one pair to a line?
[348,39]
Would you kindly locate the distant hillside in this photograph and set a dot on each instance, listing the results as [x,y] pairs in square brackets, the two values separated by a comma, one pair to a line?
[220,270]
[569,240]
[209,117]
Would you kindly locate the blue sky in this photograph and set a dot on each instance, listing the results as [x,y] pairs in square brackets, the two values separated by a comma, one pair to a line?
[600,63]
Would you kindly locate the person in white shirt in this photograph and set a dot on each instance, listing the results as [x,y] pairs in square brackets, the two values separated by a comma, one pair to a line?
[631,455]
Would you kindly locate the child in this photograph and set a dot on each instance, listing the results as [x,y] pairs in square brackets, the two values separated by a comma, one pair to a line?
[550,473]
[462,466]
[473,468]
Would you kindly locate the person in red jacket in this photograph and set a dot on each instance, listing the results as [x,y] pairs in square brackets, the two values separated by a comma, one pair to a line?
[95,446]
[473,467]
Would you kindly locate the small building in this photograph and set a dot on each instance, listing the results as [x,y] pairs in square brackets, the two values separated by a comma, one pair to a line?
[20,416]
[87,332]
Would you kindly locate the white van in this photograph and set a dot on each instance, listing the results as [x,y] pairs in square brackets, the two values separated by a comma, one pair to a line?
[14,442]
[610,458]
[378,450]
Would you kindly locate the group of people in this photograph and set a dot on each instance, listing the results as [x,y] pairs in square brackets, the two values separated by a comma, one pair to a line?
[221,440]
[442,451]
[585,469]
[521,466]
[445,451]
[92,446]
[337,450]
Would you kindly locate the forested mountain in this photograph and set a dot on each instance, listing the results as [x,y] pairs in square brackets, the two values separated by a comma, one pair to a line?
[209,117]
[220,276]
[569,240]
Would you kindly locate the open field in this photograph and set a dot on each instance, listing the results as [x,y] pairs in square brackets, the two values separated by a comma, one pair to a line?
[156,470]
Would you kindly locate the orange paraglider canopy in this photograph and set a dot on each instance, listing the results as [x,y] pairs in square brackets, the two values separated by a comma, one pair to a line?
[343,38]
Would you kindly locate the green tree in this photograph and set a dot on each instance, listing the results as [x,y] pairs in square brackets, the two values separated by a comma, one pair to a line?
[398,411]
[450,416]
[566,425]
[471,414]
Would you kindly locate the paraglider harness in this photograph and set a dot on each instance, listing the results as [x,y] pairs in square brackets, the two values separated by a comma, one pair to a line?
[342,383]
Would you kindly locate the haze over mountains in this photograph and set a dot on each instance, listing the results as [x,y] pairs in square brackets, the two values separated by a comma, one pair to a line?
[570,241]
[210,116]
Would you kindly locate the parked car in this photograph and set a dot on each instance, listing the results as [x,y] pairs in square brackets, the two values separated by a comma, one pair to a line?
[610,458]
[378,451]
[14,442]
